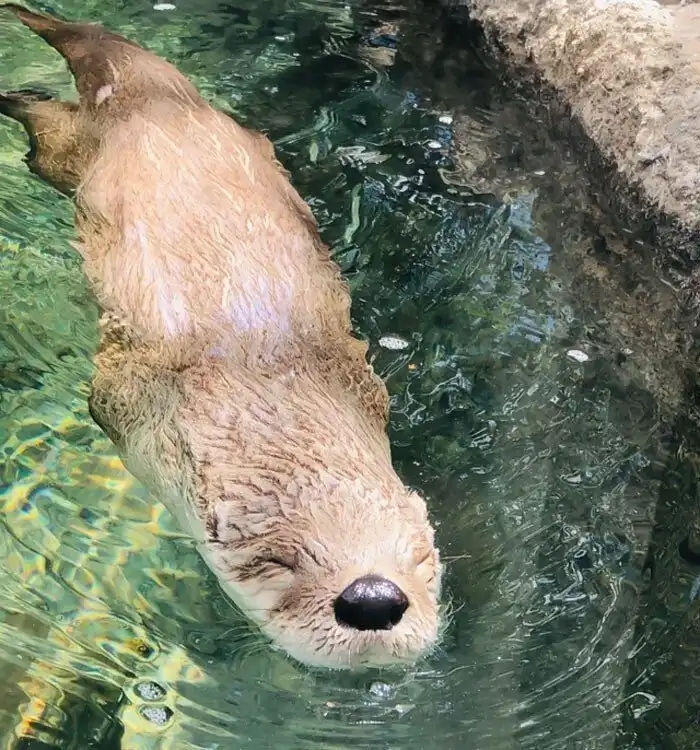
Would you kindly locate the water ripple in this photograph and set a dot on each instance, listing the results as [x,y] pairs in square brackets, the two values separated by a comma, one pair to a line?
[536,465]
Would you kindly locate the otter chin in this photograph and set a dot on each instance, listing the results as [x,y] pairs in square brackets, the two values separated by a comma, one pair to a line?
[227,375]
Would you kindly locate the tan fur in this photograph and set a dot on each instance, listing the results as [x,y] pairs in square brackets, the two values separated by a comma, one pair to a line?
[227,374]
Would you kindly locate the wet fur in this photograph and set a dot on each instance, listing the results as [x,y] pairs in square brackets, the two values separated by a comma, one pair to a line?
[227,374]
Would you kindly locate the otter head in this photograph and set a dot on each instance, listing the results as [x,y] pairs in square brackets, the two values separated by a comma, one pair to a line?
[345,577]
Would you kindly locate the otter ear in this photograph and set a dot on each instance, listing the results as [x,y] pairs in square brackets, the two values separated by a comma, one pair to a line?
[51,127]
[92,53]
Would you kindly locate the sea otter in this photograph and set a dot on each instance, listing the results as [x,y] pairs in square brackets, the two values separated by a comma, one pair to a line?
[227,375]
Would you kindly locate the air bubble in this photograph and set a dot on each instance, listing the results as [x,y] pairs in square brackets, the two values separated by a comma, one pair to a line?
[395,343]
[159,715]
[381,690]
[150,691]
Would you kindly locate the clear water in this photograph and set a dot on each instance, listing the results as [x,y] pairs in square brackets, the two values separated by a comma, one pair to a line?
[468,235]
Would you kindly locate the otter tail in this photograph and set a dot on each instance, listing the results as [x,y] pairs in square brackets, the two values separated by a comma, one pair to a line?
[105,65]
[51,127]
[55,152]
[92,52]
[110,73]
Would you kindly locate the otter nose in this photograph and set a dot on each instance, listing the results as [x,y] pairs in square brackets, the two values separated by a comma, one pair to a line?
[370,603]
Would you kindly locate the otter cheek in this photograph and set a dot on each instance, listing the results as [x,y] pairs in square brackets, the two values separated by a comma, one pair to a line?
[430,571]
[421,622]
[259,596]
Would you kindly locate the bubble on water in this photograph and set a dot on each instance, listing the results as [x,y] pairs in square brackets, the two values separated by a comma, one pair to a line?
[434,144]
[163,6]
[138,646]
[577,355]
[381,690]
[395,343]
[695,589]
[150,691]
[403,708]
[159,715]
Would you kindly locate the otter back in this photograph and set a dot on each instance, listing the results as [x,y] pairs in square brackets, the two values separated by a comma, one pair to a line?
[187,223]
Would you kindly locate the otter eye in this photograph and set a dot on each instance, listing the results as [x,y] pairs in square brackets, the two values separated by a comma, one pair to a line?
[277,562]
[266,564]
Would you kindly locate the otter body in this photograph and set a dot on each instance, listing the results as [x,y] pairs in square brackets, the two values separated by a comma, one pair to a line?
[227,374]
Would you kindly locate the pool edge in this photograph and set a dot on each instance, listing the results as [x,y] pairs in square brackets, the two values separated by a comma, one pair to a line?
[617,74]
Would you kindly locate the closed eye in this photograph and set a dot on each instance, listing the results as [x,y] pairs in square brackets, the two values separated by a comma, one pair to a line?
[312,555]
[265,565]
[278,562]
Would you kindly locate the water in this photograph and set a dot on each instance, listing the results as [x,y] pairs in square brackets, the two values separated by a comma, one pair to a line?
[534,369]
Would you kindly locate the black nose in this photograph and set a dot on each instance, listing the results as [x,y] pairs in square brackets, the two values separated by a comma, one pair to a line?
[370,603]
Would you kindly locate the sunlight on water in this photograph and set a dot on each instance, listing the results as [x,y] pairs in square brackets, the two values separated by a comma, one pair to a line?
[540,462]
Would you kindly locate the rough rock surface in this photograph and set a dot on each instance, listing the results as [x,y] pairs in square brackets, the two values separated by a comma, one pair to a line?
[629,72]
[502,146]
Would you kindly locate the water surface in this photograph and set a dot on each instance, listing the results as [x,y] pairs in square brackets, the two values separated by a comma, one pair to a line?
[527,409]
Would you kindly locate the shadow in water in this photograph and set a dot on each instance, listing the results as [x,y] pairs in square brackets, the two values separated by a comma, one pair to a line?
[661,701]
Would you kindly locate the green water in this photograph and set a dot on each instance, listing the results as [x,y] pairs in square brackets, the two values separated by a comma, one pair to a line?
[463,232]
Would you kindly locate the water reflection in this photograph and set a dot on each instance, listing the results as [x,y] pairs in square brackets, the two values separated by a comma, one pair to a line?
[539,465]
